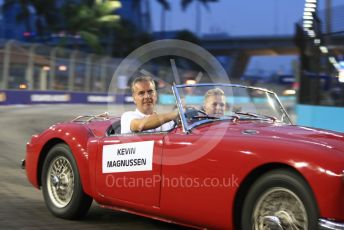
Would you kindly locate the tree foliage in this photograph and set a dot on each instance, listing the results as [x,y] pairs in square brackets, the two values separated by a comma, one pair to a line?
[128,38]
[90,20]
[87,18]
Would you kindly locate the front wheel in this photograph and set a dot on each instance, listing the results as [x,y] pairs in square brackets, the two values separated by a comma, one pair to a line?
[61,184]
[280,199]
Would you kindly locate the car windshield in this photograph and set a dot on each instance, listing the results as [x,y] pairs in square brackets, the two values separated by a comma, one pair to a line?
[202,103]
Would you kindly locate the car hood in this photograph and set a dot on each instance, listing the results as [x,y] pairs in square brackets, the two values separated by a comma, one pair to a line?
[276,131]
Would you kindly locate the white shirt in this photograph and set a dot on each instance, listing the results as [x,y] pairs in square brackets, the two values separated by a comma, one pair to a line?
[127,117]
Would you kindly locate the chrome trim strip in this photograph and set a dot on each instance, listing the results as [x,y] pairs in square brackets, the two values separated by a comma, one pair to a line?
[282,107]
[325,224]
[180,108]
[104,116]
[223,84]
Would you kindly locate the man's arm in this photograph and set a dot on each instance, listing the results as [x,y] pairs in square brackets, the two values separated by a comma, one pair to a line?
[152,121]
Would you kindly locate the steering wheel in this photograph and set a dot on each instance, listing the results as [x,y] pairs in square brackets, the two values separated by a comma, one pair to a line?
[191,112]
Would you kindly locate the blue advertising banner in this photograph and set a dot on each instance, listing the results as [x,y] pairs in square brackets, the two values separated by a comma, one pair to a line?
[12,97]
[15,97]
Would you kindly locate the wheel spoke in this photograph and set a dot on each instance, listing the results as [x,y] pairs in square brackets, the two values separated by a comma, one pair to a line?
[280,208]
[60,181]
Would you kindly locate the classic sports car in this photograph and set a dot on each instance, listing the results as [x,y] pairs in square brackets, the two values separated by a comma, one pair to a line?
[248,168]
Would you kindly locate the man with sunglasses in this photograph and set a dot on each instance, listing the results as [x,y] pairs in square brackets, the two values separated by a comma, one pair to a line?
[144,118]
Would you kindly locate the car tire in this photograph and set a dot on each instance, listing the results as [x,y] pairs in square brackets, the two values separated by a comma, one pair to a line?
[279,198]
[61,185]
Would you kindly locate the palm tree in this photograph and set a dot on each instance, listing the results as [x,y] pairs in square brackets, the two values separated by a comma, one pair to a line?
[185,4]
[128,38]
[90,19]
[165,7]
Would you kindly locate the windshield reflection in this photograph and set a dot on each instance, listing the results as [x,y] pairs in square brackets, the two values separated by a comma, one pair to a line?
[203,103]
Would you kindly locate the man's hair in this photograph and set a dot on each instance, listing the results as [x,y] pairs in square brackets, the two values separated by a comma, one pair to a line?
[214,92]
[142,79]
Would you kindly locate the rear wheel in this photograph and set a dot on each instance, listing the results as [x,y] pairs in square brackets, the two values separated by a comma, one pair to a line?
[280,199]
[61,184]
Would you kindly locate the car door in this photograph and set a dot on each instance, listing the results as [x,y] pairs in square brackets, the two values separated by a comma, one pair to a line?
[196,185]
[128,168]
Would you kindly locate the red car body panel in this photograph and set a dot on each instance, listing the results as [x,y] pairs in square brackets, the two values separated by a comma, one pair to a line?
[219,152]
[76,136]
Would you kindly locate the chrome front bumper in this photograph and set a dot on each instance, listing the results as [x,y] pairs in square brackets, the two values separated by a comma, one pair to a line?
[330,225]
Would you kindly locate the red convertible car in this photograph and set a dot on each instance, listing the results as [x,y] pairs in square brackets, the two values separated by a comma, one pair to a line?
[248,168]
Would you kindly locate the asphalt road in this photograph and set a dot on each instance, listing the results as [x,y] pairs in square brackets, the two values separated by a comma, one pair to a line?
[22,205]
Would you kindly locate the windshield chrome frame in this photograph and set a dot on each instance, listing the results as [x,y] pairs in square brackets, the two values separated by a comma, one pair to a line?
[187,128]
[180,108]
[283,109]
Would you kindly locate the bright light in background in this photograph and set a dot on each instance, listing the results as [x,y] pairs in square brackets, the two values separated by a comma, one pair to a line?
[307,22]
[317,41]
[341,64]
[289,92]
[311,33]
[63,68]
[46,68]
[332,60]
[22,86]
[190,82]
[310,5]
[323,49]
[309,10]
[115,4]
[337,66]
[341,76]
[308,17]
